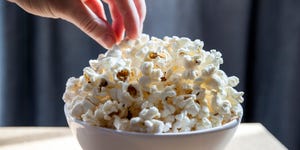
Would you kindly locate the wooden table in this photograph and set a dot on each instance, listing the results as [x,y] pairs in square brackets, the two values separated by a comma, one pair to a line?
[249,136]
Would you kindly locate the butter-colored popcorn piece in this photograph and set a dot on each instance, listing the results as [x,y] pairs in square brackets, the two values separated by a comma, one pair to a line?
[204,111]
[204,123]
[121,74]
[216,120]
[168,110]
[220,105]
[89,118]
[121,124]
[108,108]
[190,74]
[156,75]
[148,114]
[137,124]
[72,87]
[80,107]
[235,96]
[190,106]
[167,127]
[237,110]
[233,81]
[183,123]
[146,68]
[154,126]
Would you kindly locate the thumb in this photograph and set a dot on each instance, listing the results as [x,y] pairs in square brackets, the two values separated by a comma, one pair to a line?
[97,28]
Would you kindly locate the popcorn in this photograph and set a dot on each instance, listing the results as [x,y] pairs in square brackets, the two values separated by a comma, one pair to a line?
[151,113]
[147,122]
[183,122]
[204,123]
[156,86]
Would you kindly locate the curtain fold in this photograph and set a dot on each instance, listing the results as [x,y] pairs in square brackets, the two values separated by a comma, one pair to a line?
[276,68]
[18,105]
[1,61]
[259,40]
[40,55]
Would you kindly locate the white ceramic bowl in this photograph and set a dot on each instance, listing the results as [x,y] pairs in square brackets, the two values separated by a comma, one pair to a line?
[98,138]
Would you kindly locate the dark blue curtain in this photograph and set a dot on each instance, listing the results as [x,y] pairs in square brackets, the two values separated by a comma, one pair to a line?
[1,58]
[259,40]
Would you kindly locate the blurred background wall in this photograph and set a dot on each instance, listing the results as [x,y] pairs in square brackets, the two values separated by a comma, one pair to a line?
[1,60]
[259,40]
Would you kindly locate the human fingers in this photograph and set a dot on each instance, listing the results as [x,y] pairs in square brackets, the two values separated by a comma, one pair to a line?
[97,7]
[130,17]
[36,7]
[117,20]
[141,9]
[96,27]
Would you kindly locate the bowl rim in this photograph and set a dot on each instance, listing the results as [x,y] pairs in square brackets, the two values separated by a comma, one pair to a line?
[232,124]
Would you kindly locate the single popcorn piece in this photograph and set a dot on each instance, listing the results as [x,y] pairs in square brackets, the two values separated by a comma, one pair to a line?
[156,86]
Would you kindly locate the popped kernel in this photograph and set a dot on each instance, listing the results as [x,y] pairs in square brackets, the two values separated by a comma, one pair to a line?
[123,75]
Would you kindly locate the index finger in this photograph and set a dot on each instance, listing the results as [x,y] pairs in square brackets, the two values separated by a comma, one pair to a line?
[130,16]
[141,8]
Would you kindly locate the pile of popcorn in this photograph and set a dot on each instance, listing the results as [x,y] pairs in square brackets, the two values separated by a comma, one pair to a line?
[156,86]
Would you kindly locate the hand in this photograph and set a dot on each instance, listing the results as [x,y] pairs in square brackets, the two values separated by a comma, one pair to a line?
[90,17]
